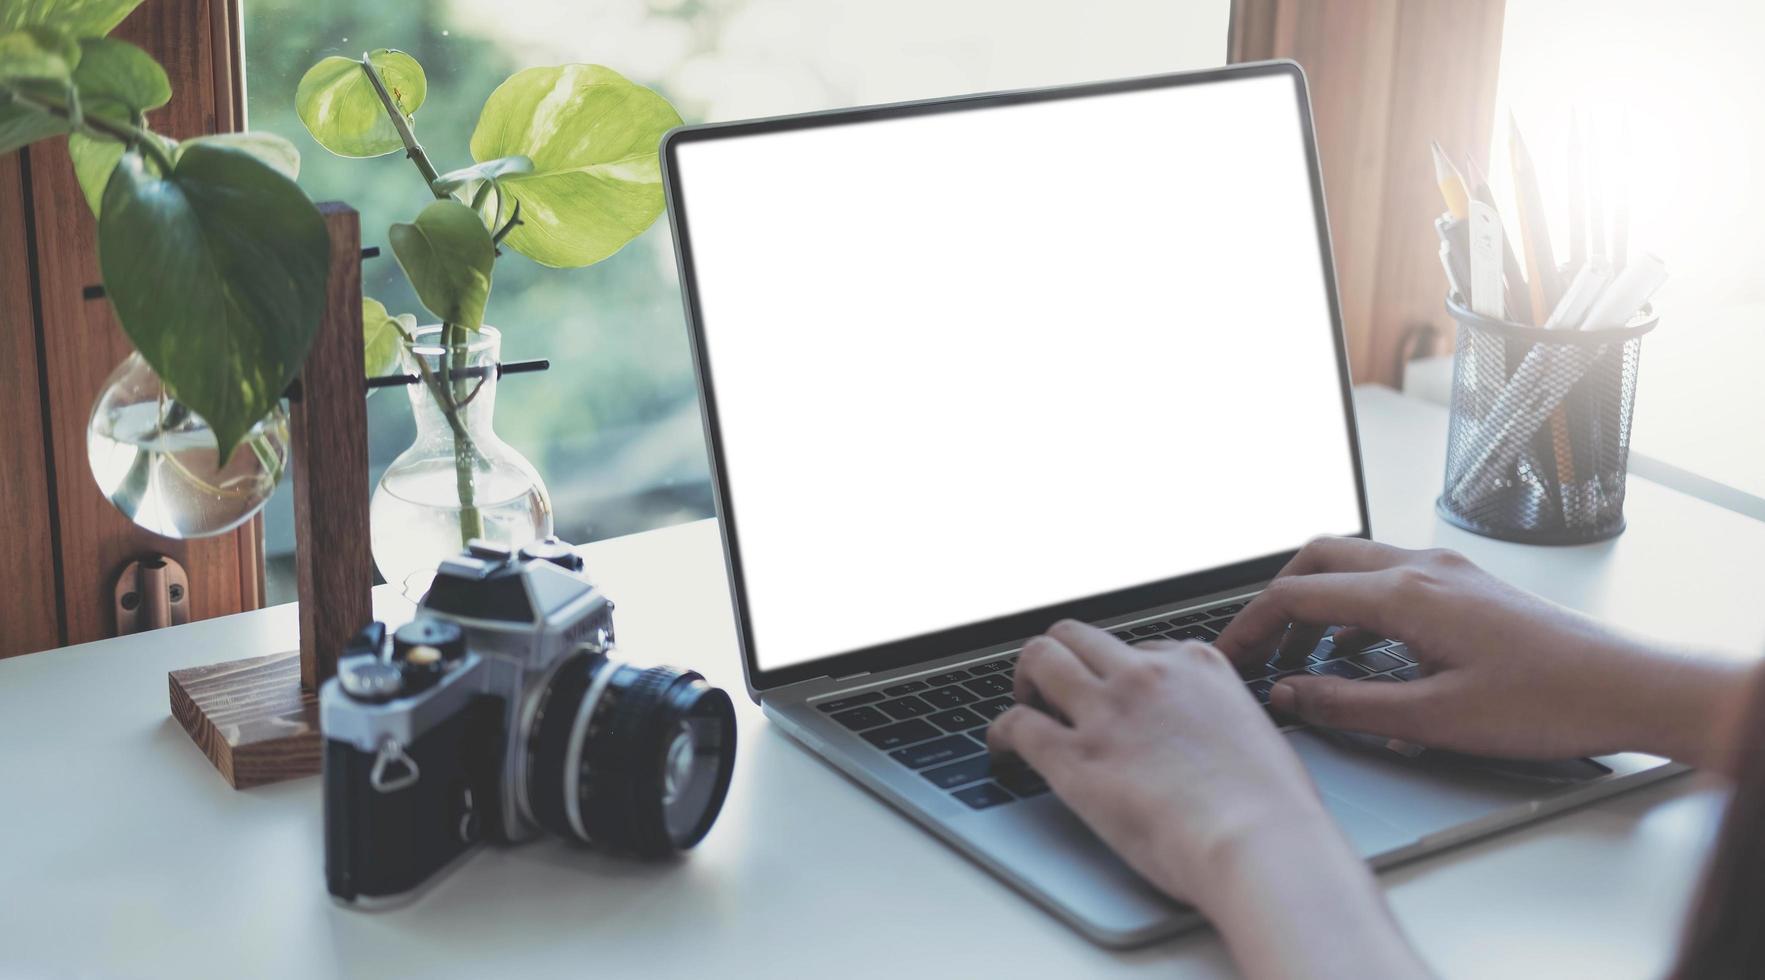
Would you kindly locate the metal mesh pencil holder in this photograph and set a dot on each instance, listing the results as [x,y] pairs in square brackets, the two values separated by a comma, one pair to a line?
[1538,442]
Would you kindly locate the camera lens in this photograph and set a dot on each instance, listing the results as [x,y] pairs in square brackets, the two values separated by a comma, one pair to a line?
[628,759]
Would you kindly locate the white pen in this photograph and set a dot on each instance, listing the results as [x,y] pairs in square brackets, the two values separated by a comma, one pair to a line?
[1452,278]
[1626,295]
[1583,292]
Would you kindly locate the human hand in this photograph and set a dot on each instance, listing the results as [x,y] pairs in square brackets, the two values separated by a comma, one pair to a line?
[1160,750]
[1504,672]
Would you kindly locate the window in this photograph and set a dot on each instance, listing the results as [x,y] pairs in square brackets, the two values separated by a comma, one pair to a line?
[614,426]
[1672,92]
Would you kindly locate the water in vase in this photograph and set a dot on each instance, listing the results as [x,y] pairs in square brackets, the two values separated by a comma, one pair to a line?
[159,468]
[415,517]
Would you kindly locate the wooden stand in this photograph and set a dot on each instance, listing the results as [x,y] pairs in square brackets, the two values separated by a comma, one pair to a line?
[253,718]
[258,719]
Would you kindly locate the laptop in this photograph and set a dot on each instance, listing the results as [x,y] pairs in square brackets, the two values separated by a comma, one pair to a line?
[972,365]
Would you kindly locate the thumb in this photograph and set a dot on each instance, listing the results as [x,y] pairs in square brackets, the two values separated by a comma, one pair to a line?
[1361,706]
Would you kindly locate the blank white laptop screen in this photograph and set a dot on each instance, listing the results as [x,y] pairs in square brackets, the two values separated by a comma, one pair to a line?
[977,362]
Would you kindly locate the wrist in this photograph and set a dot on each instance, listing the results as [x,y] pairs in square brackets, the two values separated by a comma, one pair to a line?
[1240,868]
[1678,704]
[1303,883]
[1249,851]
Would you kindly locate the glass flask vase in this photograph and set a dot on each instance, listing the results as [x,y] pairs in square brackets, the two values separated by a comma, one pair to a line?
[458,481]
[156,460]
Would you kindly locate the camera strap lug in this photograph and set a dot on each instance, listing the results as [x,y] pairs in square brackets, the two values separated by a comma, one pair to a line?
[392,754]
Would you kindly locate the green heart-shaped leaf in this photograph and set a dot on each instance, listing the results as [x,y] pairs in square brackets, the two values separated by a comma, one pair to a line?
[117,74]
[592,137]
[453,180]
[217,273]
[447,255]
[381,334]
[41,55]
[75,18]
[338,104]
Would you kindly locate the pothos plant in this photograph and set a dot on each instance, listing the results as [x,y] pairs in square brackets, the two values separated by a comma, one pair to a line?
[565,172]
[211,256]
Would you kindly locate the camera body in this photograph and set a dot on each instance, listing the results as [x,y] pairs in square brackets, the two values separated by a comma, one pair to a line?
[424,750]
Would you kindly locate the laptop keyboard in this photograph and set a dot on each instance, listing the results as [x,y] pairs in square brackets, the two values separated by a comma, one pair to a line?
[937,725]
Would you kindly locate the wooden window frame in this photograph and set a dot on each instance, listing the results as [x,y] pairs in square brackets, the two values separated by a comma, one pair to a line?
[68,543]
[1387,76]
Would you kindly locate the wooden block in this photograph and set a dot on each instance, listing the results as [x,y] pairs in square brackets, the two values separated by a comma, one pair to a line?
[252,718]
[329,432]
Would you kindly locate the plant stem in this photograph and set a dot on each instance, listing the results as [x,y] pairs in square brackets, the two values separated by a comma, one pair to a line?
[465,476]
[465,452]
[503,232]
[412,148]
[453,335]
[132,136]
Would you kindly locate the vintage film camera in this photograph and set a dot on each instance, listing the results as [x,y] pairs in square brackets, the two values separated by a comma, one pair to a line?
[496,714]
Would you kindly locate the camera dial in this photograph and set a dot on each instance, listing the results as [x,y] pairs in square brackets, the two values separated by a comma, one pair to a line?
[444,636]
[368,678]
[554,551]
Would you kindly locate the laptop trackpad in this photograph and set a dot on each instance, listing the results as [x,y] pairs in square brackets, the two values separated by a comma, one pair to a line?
[1384,801]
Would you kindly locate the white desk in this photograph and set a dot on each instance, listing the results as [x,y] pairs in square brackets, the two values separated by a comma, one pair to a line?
[123,853]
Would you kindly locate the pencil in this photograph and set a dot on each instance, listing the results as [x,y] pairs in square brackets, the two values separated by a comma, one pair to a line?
[1452,183]
[1577,198]
[1621,204]
[1596,206]
[1541,263]
[1546,287]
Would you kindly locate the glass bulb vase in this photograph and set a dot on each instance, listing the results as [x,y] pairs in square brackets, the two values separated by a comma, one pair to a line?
[156,461]
[457,482]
